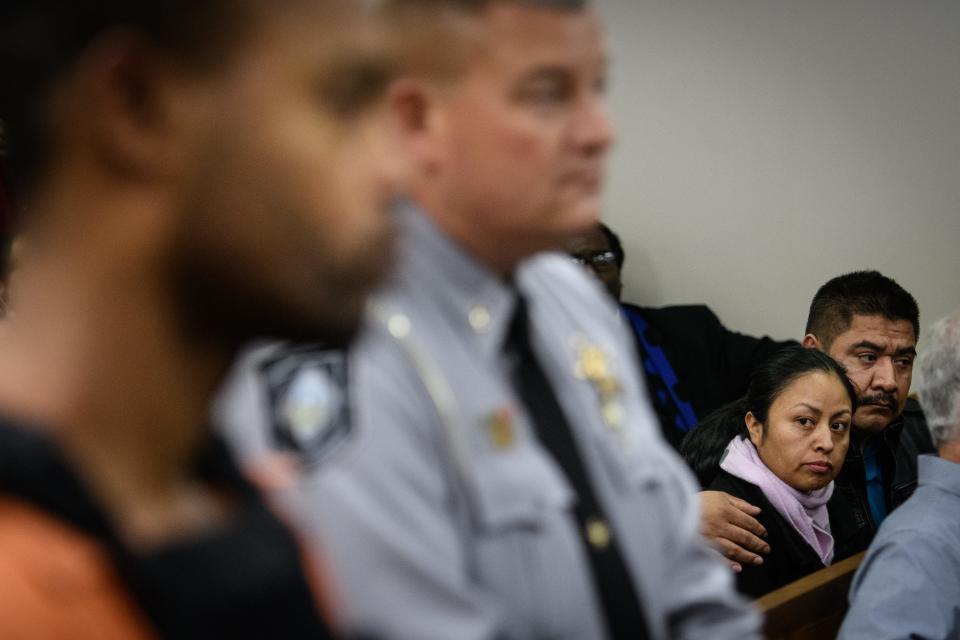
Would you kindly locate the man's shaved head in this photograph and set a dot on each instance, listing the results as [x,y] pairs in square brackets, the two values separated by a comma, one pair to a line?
[41,41]
[432,37]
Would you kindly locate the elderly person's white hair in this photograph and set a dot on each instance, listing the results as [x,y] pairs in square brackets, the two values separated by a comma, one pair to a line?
[938,379]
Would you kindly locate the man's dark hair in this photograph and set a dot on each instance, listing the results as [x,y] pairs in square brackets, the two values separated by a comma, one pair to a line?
[615,245]
[40,40]
[861,293]
[703,447]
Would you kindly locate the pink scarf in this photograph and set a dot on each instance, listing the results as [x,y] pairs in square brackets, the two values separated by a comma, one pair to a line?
[806,511]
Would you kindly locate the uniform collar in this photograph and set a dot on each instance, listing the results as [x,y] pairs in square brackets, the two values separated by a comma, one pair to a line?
[468,294]
[939,473]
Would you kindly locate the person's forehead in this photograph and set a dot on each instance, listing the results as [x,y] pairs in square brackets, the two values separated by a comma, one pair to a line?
[319,43]
[813,393]
[810,387]
[518,35]
[876,329]
[595,240]
[323,25]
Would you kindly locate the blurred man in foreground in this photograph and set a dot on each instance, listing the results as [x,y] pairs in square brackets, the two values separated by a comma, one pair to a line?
[501,474]
[195,174]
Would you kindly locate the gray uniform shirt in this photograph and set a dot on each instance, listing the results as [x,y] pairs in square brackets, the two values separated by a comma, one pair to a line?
[908,585]
[439,511]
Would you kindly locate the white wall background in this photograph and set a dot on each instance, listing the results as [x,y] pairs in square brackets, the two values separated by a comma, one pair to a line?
[768,145]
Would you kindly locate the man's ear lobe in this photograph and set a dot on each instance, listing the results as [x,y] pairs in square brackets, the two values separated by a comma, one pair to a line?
[811,341]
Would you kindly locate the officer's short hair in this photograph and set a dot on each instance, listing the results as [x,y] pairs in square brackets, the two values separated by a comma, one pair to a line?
[40,40]
[427,36]
[861,293]
[479,5]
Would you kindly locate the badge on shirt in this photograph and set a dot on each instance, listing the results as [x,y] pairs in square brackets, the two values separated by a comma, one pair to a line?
[501,429]
[309,408]
[593,366]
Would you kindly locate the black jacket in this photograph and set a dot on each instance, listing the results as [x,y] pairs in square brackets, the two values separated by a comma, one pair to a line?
[713,365]
[900,444]
[790,556]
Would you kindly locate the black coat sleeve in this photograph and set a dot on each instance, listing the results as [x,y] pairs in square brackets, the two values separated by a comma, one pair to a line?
[713,364]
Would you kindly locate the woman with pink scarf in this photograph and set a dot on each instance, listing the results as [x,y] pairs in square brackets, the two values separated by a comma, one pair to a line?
[793,431]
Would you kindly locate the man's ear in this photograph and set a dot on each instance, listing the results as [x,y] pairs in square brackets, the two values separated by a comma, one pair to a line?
[130,94]
[754,428]
[413,103]
[811,341]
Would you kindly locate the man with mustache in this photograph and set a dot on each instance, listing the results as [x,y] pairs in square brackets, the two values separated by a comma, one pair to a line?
[870,325]
[908,585]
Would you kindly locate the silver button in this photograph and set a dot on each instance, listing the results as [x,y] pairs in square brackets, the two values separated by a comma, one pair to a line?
[398,325]
[479,318]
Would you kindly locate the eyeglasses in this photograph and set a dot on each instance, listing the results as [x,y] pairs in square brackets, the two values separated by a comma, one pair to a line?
[598,260]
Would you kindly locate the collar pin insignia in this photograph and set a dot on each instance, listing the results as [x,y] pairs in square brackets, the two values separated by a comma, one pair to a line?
[501,429]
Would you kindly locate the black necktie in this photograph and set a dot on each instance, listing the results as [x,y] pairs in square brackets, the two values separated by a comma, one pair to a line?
[612,582]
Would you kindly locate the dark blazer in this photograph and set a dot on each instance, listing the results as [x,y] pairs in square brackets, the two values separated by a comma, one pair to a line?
[900,444]
[712,364]
[790,556]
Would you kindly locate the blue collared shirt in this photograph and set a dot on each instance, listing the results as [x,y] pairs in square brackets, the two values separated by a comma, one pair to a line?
[909,583]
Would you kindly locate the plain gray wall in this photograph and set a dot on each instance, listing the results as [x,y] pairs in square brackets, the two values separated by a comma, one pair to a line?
[768,145]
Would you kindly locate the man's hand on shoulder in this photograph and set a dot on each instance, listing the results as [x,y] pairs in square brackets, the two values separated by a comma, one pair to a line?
[730,526]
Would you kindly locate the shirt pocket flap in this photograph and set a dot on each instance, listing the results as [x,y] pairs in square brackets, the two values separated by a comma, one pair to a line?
[631,470]
[515,490]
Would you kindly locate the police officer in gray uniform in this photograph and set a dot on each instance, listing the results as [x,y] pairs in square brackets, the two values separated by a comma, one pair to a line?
[497,472]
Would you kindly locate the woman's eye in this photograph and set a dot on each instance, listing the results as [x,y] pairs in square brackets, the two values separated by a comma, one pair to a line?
[805,422]
[840,427]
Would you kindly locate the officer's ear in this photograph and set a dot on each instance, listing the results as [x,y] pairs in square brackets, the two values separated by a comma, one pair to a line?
[414,104]
[811,341]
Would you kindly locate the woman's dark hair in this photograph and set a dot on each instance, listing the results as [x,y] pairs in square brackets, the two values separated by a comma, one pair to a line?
[703,447]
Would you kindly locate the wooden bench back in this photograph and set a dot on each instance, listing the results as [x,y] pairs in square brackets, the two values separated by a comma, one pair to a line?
[813,607]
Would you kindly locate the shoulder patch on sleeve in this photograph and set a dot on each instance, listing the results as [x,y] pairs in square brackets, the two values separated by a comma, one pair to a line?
[307,389]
